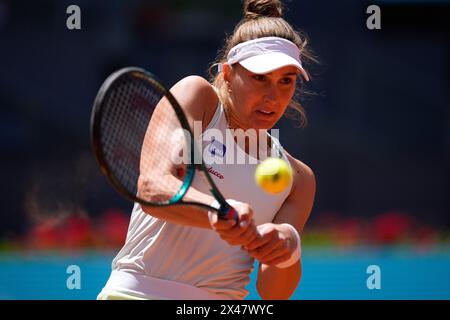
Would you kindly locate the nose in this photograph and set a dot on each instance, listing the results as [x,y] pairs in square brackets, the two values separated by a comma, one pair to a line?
[270,94]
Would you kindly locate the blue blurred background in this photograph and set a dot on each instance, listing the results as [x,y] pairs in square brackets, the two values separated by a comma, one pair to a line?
[378,138]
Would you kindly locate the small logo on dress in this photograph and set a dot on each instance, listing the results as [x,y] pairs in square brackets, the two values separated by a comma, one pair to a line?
[217,148]
[215,173]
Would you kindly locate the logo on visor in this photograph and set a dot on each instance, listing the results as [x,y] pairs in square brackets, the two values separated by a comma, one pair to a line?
[233,53]
[216,148]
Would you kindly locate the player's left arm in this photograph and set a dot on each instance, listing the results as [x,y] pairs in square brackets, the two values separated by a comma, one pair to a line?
[280,283]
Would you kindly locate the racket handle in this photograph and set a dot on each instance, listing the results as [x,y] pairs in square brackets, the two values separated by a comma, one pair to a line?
[226,211]
[231,213]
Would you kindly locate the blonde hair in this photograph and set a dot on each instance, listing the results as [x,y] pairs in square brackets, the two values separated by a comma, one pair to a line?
[262,18]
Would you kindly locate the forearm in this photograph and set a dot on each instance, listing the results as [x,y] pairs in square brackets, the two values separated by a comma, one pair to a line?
[275,283]
[181,214]
[188,215]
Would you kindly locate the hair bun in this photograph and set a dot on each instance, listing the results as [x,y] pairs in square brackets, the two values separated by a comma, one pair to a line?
[254,9]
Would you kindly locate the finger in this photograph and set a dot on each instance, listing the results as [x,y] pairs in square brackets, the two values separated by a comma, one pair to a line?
[224,224]
[236,235]
[255,242]
[277,260]
[231,241]
[224,236]
[236,239]
[279,256]
[236,231]
[277,252]
[274,255]
[244,221]
[243,224]
[213,217]
[249,236]
[267,249]
[245,215]
[231,233]
[259,242]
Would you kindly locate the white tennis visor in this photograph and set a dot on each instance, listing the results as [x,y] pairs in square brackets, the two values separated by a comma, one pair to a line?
[264,55]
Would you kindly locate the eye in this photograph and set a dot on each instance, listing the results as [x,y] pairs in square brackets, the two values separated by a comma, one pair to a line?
[289,79]
[286,80]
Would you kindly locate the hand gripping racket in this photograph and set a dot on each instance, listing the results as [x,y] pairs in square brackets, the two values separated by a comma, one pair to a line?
[137,129]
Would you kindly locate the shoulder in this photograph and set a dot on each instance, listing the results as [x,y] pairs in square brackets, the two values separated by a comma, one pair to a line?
[303,175]
[298,205]
[196,96]
[303,192]
[195,85]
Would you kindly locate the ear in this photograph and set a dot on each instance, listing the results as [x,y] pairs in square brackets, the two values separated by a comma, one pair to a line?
[226,69]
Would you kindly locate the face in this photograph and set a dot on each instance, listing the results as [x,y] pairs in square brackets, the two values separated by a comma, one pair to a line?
[258,100]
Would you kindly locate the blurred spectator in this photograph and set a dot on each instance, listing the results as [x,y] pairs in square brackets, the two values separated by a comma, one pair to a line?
[71,232]
[391,227]
[111,228]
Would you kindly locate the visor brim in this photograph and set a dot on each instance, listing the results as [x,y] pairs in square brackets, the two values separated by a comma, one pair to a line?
[269,62]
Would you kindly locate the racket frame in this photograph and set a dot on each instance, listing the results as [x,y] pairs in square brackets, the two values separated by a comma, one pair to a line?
[224,211]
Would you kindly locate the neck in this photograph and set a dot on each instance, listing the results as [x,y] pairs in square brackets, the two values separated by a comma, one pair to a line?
[235,124]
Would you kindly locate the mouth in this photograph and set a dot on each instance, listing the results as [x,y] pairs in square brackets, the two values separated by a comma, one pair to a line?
[265,113]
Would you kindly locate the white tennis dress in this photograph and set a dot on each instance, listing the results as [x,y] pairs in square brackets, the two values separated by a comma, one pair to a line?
[163,260]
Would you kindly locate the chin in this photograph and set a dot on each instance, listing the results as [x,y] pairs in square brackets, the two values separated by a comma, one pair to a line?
[265,122]
[266,125]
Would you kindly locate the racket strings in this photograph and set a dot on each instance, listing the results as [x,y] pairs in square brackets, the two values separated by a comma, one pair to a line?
[128,119]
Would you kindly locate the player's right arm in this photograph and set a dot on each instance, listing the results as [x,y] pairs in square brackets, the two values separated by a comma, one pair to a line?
[198,100]
[161,149]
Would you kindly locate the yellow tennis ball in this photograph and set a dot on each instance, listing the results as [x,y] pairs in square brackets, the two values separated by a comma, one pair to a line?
[273,175]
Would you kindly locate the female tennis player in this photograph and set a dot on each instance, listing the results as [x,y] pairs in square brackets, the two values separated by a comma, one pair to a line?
[184,252]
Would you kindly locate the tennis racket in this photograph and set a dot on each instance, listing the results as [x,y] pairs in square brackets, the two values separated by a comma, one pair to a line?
[137,128]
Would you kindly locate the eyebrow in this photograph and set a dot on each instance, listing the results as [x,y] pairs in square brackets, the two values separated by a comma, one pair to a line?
[284,74]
